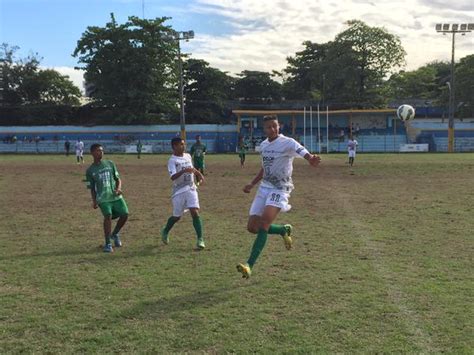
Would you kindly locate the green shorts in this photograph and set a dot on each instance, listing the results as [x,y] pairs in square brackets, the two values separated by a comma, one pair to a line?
[198,163]
[115,209]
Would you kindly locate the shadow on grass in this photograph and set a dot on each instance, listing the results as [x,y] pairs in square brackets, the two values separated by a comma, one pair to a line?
[144,250]
[166,308]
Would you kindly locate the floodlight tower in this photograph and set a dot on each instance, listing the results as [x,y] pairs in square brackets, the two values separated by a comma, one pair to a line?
[179,36]
[453,29]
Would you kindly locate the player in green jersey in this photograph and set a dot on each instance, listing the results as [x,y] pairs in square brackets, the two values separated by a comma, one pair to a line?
[103,180]
[242,151]
[198,150]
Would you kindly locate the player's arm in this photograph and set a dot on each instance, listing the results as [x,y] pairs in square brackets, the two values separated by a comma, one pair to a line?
[118,181]
[312,159]
[91,186]
[254,182]
[179,173]
[94,198]
[199,176]
[118,186]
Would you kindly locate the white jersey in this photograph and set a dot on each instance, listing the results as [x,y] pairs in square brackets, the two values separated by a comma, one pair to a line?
[186,181]
[79,146]
[277,162]
[352,145]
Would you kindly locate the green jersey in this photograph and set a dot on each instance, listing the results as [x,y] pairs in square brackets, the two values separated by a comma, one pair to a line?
[242,148]
[198,150]
[101,177]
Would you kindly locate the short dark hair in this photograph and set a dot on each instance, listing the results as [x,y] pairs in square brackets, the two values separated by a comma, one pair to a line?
[176,140]
[95,146]
[270,118]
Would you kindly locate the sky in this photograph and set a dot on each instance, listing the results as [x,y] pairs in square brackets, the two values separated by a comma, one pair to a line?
[236,35]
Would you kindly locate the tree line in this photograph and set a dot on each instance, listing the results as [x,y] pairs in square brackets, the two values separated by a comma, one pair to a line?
[132,76]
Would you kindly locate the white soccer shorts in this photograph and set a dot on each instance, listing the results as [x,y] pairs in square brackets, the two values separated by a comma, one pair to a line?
[269,197]
[79,153]
[352,154]
[184,201]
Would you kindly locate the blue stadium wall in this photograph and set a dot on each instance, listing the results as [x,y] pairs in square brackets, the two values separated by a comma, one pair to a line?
[51,139]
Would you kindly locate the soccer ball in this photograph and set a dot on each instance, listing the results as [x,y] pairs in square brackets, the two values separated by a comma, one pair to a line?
[406,112]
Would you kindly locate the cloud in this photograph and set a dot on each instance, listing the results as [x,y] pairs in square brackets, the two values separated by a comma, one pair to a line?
[265,32]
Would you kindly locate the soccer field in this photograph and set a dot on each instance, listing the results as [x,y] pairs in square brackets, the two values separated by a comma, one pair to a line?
[382,260]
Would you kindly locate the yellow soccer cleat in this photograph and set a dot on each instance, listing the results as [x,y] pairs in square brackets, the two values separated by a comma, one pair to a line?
[287,236]
[245,270]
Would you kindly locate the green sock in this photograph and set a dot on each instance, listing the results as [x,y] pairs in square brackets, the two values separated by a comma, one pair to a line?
[258,246]
[277,229]
[116,231]
[197,223]
[170,224]
[107,240]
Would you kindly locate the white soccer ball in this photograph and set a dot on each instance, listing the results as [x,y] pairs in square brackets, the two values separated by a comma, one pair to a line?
[406,112]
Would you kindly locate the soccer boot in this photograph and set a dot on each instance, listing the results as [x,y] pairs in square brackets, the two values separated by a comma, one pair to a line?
[245,270]
[200,244]
[287,236]
[117,241]
[164,236]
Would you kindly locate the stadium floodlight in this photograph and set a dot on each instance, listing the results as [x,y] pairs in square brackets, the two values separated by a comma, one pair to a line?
[180,36]
[462,29]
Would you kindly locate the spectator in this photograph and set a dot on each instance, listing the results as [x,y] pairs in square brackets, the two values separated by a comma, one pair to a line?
[67,146]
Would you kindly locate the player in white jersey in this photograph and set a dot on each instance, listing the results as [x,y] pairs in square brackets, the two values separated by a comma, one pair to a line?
[79,151]
[351,148]
[273,193]
[184,196]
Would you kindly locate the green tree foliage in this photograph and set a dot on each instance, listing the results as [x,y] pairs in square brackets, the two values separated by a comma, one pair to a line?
[132,66]
[464,94]
[257,86]
[206,90]
[25,83]
[350,69]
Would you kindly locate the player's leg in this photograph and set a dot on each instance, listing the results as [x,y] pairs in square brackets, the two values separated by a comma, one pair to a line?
[264,222]
[178,202]
[197,224]
[192,203]
[107,231]
[120,210]
[106,209]
[77,158]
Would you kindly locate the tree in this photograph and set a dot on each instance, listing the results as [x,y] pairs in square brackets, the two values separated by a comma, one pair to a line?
[427,82]
[464,87]
[374,54]
[206,90]
[132,66]
[306,72]
[351,69]
[25,83]
[257,86]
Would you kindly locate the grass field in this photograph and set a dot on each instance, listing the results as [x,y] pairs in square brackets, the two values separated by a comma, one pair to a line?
[383,260]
